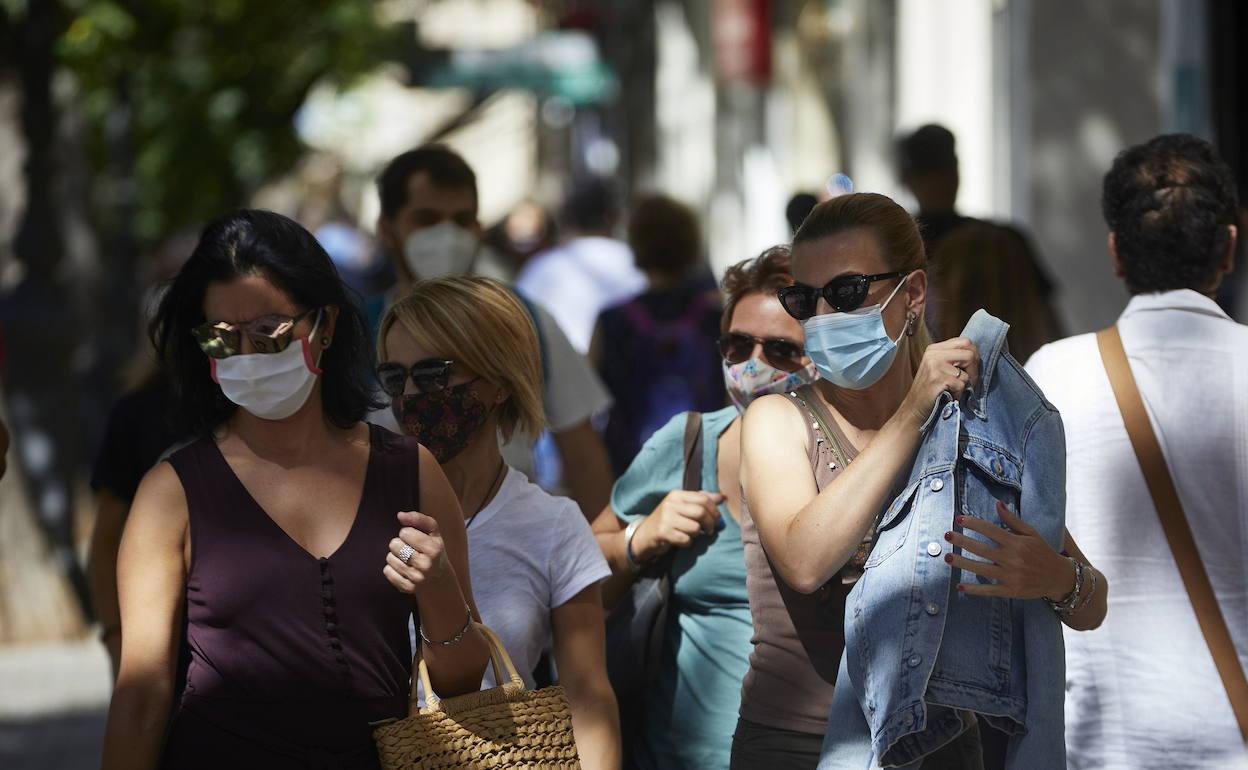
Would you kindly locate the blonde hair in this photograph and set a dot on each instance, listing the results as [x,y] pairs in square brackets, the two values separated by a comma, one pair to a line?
[898,234]
[480,323]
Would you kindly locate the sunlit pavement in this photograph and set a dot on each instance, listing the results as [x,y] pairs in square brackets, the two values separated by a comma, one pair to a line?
[53,699]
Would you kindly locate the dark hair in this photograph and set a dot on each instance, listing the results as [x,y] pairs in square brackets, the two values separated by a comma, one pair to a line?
[444,166]
[592,205]
[664,235]
[799,207]
[931,148]
[1168,202]
[765,274]
[894,229]
[249,242]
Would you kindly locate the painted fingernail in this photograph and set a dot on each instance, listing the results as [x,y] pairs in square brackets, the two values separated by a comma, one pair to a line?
[948,558]
[960,519]
[961,588]
[949,536]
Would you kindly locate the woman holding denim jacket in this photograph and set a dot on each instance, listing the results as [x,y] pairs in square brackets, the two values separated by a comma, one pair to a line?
[812,499]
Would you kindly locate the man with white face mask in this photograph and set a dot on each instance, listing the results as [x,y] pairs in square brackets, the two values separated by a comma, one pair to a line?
[428,226]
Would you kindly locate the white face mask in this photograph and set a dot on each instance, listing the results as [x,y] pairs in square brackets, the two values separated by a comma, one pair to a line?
[272,386]
[444,249]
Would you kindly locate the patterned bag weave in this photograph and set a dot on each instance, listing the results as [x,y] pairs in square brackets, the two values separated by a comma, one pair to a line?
[504,727]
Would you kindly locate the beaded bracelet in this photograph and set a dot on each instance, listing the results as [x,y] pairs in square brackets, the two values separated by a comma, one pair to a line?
[1069,604]
[453,640]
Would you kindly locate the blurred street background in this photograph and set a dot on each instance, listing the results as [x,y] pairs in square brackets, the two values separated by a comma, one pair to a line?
[125,124]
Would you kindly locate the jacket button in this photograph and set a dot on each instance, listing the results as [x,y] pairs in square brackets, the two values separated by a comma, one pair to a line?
[945,415]
[932,608]
[937,485]
[914,661]
[997,467]
[909,719]
[934,548]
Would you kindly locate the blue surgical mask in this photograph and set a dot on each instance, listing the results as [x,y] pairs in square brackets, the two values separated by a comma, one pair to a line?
[852,350]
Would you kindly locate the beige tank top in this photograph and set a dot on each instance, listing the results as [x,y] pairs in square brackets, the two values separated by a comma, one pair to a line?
[798,638]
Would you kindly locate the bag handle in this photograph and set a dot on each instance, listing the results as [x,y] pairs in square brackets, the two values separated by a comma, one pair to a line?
[1174,523]
[693,451]
[499,660]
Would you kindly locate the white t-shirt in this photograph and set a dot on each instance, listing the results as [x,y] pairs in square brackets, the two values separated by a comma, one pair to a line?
[579,279]
[572,392]
[529,552]
[1142,692]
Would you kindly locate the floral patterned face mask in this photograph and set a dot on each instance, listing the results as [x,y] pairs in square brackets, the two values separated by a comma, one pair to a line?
[751,379]
[444,421]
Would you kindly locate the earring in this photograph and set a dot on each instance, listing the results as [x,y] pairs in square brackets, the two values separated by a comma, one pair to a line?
[910,319]
[325,342]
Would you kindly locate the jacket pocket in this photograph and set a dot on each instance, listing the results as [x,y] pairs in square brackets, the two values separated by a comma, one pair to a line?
[894,525]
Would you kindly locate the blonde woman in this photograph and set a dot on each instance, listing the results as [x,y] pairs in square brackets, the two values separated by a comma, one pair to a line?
[461,363]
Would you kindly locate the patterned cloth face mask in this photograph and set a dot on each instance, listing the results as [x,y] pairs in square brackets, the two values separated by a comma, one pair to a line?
[750,379]
[444,421]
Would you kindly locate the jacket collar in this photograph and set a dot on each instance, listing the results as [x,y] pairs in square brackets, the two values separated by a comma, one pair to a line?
[1180,299]
[988,333]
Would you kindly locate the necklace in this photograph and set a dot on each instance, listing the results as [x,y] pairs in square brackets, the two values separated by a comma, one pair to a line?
[498,477]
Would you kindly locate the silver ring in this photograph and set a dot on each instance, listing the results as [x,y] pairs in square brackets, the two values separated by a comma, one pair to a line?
[405,553]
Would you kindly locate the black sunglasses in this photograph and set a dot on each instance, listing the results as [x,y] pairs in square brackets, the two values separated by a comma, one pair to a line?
[428,375]
[844,294]
[268,334]
[783,354]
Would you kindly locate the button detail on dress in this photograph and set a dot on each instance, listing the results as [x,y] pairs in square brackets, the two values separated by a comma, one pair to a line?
[934,548]
[937,485]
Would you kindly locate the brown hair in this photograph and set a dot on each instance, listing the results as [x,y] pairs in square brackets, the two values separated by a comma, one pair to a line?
[480,323]
[665,236]
[895,230]
[765,274]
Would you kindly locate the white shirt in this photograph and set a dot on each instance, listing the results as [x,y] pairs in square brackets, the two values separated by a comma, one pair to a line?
[571,394]
[529,553]
[1142,691]
[579,279]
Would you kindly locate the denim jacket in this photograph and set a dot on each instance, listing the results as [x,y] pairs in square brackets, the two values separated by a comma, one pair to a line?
[918,654]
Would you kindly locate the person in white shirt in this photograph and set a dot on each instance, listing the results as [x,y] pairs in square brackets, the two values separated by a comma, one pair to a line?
[1142,692]
[428,225]
[460,362]
[588,272]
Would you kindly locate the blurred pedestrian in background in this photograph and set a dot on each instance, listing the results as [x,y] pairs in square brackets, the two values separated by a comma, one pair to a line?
[428,224]
[656,352]
[461,364]
[590,271]
[1007,267]
[1143,692]
[798,208]
[295,539]
[691,705]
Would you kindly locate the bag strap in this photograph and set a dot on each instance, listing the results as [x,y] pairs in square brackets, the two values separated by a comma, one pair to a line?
[499,659]
[1174,523]
[693,451]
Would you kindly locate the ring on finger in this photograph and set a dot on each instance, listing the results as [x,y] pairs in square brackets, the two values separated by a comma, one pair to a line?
[405,553]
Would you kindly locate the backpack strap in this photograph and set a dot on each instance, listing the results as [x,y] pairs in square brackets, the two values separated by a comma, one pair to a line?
[1174,523]
[531,309]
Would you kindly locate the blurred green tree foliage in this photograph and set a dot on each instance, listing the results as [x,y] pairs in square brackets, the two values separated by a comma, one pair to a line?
[208,88]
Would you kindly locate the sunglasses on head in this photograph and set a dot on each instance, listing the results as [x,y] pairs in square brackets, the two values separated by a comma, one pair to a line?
[783,354]
[429,375]
[843,294]
[268,334]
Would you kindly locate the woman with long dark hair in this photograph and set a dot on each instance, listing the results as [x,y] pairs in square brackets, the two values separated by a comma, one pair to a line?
[279,537]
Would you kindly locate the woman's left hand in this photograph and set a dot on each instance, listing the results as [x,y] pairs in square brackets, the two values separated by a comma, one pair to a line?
[421,542]
[1021,564]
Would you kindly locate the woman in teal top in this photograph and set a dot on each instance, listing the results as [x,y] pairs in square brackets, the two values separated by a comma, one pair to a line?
[691,707]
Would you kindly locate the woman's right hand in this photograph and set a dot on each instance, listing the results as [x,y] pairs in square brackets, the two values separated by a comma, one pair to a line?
[682,516]
[952,365]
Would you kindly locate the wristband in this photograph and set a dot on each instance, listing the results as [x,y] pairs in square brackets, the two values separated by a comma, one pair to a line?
[629,533]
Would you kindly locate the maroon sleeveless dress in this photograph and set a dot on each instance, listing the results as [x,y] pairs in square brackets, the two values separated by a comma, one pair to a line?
[291,656]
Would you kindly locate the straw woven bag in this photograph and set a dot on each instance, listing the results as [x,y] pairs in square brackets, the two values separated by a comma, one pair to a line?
[505,727]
